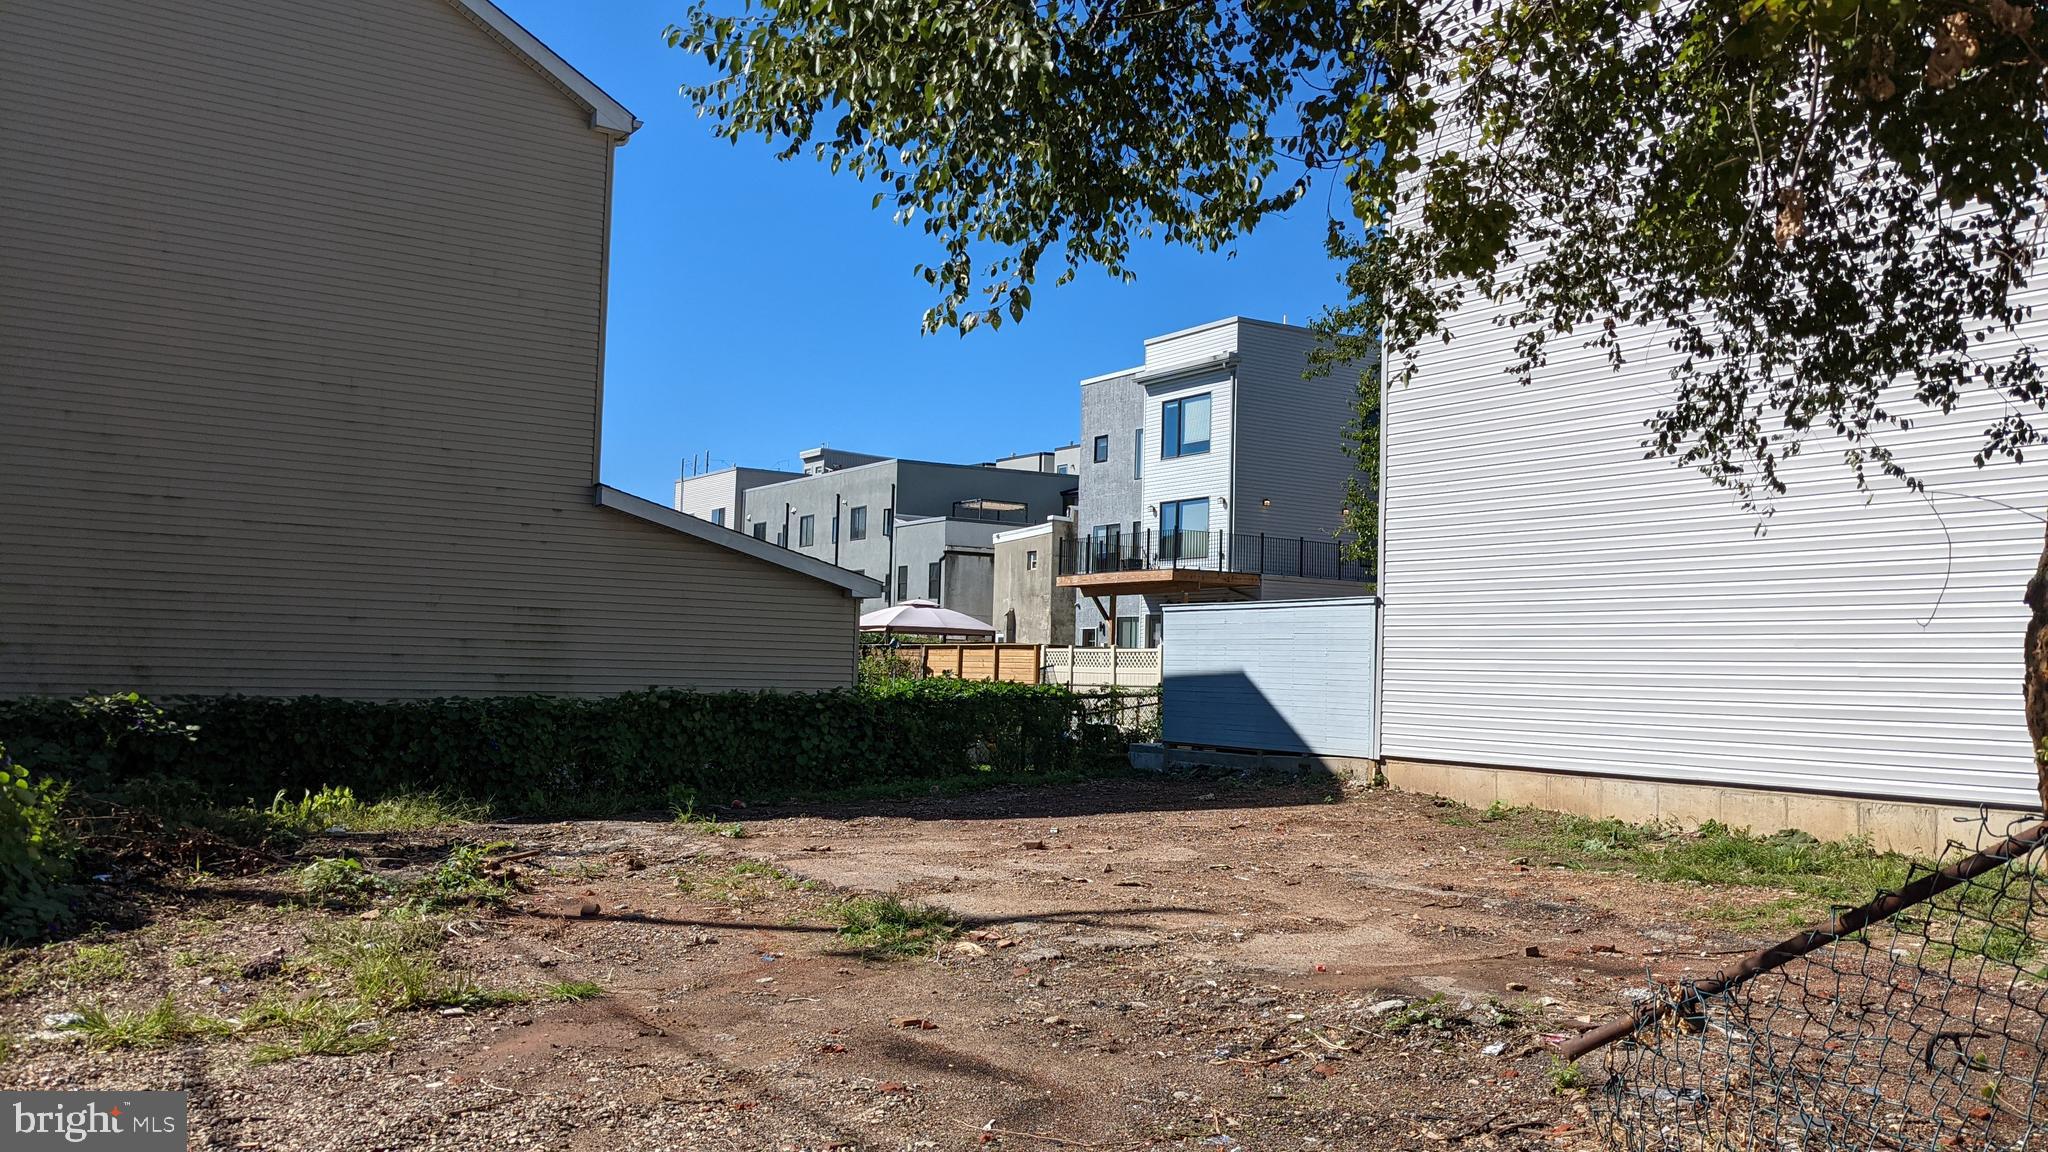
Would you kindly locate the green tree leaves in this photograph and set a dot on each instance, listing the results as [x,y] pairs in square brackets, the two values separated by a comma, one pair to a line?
[1812,199]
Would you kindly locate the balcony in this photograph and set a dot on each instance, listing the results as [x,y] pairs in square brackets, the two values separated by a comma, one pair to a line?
[1181,563]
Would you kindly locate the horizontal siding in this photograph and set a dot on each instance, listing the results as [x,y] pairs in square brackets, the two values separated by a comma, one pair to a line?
[1288,433]
[299,338]
[1191,477]
[1192,345]
[1554,600]
[1278,677]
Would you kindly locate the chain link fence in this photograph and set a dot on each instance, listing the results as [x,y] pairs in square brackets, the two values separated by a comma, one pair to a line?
[1917,1022]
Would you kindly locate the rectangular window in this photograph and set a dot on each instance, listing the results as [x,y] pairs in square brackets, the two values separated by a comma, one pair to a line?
[857,523]
[835,527]
[1184,529]
[1102,449]
[1138,454]
[718,516]
[1127,631]
[1031,560]
[903,582]
[888,521]
[760,530]
[1184,427]
[782,536]
[931,580]
[807,531]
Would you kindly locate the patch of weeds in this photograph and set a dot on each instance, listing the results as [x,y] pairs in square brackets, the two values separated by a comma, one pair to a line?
[396,965]
[1782,914]
[746,882]
[686,814]
[1428,1013]
[92,965]
[1832,872]
[338,882]
[1497,811]
[573,990]
[164,1024]
[338,809]
[312,1027]
[1566,1076]
[880,927]
[1998,943]
[466,876]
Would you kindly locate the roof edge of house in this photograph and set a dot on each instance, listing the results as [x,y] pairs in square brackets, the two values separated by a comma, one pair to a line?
[865,587]
[606,114]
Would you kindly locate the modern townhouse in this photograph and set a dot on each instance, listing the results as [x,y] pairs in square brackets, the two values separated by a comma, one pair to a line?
[1215,469]
[925,529]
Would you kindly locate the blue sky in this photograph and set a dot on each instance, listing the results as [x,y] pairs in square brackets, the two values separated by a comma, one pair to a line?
[758,308]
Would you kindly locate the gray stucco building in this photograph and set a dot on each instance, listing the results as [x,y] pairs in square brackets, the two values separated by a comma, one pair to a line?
[1030,606]
[850,516]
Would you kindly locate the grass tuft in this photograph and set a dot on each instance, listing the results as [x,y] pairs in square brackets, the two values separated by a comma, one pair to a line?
[572,990]
[338,809]
[164,1024]
[312,1026]
[396,965]
[883,927]
[92,965]
[686,814]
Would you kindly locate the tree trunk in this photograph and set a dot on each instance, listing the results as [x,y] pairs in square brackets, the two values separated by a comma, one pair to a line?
[2035,685]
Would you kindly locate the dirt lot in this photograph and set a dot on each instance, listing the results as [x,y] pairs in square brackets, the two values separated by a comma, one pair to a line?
[1169,964]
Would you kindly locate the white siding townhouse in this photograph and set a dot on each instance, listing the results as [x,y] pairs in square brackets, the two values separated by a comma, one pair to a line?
[1570,624]
[1214,470]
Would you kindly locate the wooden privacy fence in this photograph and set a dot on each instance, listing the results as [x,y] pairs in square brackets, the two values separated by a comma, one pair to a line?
[1015,663]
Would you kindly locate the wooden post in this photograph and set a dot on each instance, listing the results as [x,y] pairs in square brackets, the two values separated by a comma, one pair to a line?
[1113,650]
[1070,667]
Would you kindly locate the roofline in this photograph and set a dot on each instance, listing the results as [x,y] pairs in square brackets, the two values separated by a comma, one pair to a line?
[888,461]
[606,114]
[1042,528]
[1222,362]
[1119,374]
[1228,320]
[732,540]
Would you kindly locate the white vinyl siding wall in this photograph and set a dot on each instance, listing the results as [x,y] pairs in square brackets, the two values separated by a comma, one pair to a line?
[300,320]
[1204,475]
[1556,601]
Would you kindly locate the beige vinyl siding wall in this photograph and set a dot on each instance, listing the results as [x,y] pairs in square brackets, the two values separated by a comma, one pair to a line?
[300,313]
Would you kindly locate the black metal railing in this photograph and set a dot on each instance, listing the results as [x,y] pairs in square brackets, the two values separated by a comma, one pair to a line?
[1247,552]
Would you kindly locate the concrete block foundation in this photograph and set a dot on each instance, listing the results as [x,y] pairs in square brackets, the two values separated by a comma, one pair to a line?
[1889,825]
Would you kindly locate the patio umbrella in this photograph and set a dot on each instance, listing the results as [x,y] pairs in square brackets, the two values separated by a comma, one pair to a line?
[923,618]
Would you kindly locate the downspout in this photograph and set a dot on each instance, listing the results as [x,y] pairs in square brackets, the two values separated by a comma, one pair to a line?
[889,526]
[835,529]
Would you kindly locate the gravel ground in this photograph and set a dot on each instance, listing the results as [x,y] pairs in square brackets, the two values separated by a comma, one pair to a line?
[1144,964]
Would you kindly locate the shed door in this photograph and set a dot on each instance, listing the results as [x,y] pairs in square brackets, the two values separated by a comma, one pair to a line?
[1273,676]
